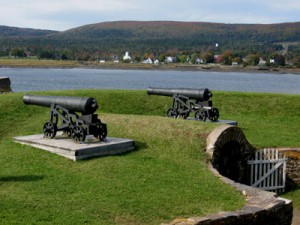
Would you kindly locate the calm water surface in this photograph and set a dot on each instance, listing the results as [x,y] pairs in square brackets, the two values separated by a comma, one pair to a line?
[23,80]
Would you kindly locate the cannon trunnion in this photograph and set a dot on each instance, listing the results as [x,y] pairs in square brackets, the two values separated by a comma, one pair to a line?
[187,100]
[63,116]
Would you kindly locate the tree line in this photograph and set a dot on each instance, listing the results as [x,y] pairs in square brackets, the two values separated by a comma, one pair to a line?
[204,55]
[186,41]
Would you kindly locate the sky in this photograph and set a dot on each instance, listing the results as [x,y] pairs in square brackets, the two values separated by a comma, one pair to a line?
[62,15]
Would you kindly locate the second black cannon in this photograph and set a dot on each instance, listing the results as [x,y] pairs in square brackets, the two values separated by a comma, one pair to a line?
[187,100]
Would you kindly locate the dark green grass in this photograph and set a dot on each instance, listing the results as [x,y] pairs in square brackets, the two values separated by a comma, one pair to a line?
[166,177]
[268,120]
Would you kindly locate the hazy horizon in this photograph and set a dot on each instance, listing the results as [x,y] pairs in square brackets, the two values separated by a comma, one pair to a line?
[61,15]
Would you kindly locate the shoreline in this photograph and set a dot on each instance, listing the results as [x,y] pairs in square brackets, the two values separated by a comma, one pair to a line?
[52,64]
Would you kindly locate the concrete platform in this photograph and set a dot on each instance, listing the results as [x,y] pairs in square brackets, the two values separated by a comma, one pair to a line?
[229,122]
[76,151]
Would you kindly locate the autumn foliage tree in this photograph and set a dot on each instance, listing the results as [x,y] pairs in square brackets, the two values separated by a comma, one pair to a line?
[279,60]
[227,57]
[17,52]
[252,59]
[207,57]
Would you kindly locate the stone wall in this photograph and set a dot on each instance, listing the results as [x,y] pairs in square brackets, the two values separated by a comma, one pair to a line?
[292,167]
[4,84]
[261,207]
[230,151]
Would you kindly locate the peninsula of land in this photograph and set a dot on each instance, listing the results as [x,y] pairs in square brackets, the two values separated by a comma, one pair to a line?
[35,63]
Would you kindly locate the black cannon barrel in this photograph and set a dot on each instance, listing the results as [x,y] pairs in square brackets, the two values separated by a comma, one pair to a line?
[203,94]
[85,105]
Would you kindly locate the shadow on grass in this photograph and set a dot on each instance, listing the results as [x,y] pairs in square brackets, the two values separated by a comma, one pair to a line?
[291,185]
[139,146]
[25,178]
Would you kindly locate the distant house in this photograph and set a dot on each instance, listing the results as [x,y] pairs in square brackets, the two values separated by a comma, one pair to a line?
[148,61]
[115,58]
[218,58]
[102,61]
[262,61]
[199,61]
[156,61]
[126,57]
[27,54]
[262,64]
[170,59]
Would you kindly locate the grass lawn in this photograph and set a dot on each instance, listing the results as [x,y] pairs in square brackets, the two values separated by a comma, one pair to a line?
[166,177]
[34,62]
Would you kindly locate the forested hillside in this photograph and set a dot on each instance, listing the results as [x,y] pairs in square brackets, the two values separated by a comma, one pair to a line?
[164,35]
[102,40]
[191,30]
[11,32]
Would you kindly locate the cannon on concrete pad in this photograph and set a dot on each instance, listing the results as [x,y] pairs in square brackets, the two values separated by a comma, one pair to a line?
[64,116]
[186,100]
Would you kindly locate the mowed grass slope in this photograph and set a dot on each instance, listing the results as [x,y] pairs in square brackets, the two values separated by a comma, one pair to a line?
[165,178]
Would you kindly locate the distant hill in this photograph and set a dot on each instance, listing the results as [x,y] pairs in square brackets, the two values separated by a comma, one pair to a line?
[164,35]
[6,31]
[185,30]
[156,36]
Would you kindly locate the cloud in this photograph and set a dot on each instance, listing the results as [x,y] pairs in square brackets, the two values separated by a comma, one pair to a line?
[66,14]
[287,5]
[61,14]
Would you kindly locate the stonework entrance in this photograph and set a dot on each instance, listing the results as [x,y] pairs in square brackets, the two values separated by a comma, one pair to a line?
[230,151]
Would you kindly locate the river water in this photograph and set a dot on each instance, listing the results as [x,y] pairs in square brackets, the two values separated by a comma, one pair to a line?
[23,80]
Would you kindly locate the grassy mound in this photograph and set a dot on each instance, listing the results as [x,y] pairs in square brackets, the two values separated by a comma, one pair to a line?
[166,177]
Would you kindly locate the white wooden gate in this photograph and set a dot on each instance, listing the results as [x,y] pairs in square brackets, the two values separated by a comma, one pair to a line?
[267,170]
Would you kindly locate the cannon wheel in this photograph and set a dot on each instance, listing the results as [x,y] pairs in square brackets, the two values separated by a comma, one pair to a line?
[200,115]
[49,130]
[214,114]
[78,134]
[172,113]
[102,132]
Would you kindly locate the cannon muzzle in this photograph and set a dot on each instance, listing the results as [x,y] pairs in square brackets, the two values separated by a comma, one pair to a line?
[197,94]
[85,105]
